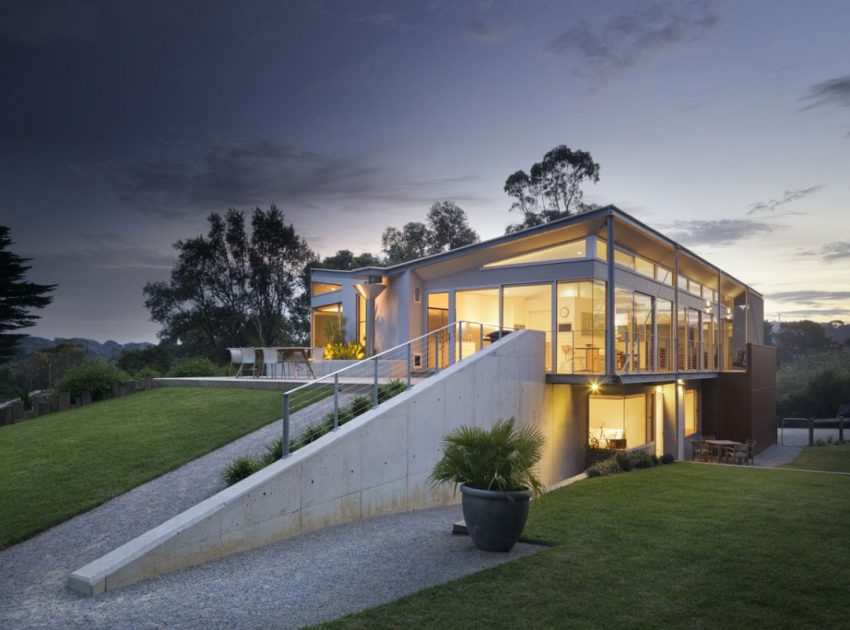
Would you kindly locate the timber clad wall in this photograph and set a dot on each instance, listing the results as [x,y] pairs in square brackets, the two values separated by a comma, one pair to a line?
[742,406]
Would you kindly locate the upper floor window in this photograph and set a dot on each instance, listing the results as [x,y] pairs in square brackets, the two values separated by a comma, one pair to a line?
[320,288]
[624,259]
[665,276]
[554,253]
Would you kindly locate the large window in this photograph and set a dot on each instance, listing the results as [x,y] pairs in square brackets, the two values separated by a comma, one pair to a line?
[361,319]
[529,306]
[580,329]
[664,341]
[482,307]
[320,288]
[326,321]
[562,251]
[619,421]
[691,411]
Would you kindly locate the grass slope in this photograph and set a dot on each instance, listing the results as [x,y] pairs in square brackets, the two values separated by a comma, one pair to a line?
[54,467]
[833,457]
[686,546]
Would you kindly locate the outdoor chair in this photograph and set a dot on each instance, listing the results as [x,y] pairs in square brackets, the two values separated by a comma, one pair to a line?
[740,454]
[729,454]
[271,363]
[317,356]
[236,358]
[751,450]
[249,358]
[700,451]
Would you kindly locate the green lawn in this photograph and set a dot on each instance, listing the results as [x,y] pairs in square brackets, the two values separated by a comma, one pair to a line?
[832,457]
[59,465]
[687,546]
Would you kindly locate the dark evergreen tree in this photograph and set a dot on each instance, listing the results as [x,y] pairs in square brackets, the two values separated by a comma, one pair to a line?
[18,297]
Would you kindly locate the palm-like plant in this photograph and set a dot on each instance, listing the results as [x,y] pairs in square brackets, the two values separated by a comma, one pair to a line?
[500,459]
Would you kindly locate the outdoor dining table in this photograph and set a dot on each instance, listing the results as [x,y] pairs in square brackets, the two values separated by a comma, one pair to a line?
[721,444]
[298,350]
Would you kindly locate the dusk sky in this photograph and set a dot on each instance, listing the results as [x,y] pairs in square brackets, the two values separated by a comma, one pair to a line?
[123,124]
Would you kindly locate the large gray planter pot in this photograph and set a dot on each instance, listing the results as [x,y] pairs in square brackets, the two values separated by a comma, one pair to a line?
[494,520]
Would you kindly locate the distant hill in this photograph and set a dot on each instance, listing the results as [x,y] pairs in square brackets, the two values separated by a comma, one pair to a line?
[107,351]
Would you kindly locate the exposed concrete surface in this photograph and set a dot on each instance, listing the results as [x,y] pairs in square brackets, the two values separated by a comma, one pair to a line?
[305,580]
[376,464]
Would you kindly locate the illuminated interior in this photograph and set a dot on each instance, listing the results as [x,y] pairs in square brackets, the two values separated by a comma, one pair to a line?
[691,411]
[563,251]
[477,305]
[580,322]
[529,306]
[361,319]
[320,288]
[325,318]
[619,422]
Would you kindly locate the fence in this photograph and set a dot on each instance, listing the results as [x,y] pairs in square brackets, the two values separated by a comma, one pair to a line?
[366,384]
[811,424]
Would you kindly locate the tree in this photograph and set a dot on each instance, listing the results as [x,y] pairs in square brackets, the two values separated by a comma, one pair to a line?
[449,228]
[345,260]
[158,358]
[446,228]
[797,338]
[230,288]
[409,243]
[17,297]
[552,187]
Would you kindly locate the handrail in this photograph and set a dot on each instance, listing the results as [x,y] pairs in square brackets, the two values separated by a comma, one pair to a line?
[454,351]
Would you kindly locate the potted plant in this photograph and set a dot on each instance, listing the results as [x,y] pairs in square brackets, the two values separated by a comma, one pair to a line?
[494,470]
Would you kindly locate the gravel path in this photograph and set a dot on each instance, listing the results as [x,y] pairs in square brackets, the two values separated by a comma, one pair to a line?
[38,568]
[776,455]
[309,579]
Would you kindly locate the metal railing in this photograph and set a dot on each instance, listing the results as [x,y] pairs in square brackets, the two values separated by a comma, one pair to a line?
[357,388]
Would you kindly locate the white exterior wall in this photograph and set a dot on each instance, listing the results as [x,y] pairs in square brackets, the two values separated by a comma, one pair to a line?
[376,464]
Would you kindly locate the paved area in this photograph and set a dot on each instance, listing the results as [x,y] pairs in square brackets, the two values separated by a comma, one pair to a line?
[305,580]
[776,455]
[315,577]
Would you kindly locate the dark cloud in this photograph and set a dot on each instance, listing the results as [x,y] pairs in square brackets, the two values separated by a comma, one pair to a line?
[260,173]
[809,297]
[484,31]
[717,232]
[788,196]
[627,39]
[390,18]
[117,256]
[834,92]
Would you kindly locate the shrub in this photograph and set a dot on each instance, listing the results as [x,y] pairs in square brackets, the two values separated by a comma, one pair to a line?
[96,377]
[274,452]
[194,366]
[604,468]
[146,372]
[360,404]
[624,461]
[240,468]
[388,390]
[655,460]
[501,458]
[667,458]
[343,350]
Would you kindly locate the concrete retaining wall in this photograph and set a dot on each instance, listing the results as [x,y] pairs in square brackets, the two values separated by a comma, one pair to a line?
[375,464]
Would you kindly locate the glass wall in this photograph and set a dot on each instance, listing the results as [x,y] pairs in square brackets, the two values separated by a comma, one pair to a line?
[480,306]
[361,319]
[623,324]
[691,411]
[664,327]
[641,359]
[619,422]
[580,346]
[320,288]
[438,317]
[529,306]
[326,320]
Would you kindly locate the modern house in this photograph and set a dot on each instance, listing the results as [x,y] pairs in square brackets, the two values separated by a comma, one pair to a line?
[650,343]
[596,329]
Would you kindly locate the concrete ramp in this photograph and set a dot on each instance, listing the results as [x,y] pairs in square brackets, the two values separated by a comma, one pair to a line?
[376,464]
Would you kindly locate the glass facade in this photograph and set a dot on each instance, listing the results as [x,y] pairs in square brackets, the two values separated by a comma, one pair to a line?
[580,327]
[529,306]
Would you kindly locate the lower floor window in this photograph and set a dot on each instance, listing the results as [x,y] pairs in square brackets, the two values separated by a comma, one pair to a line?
[691,411]
[619,422]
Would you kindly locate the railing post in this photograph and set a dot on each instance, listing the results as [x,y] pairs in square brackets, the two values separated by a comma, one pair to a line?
[375,385]
[285,445]
[481,337]
[336,401]
[437,352]
[409,362]
[840,429]
[459,336]
[811,432]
